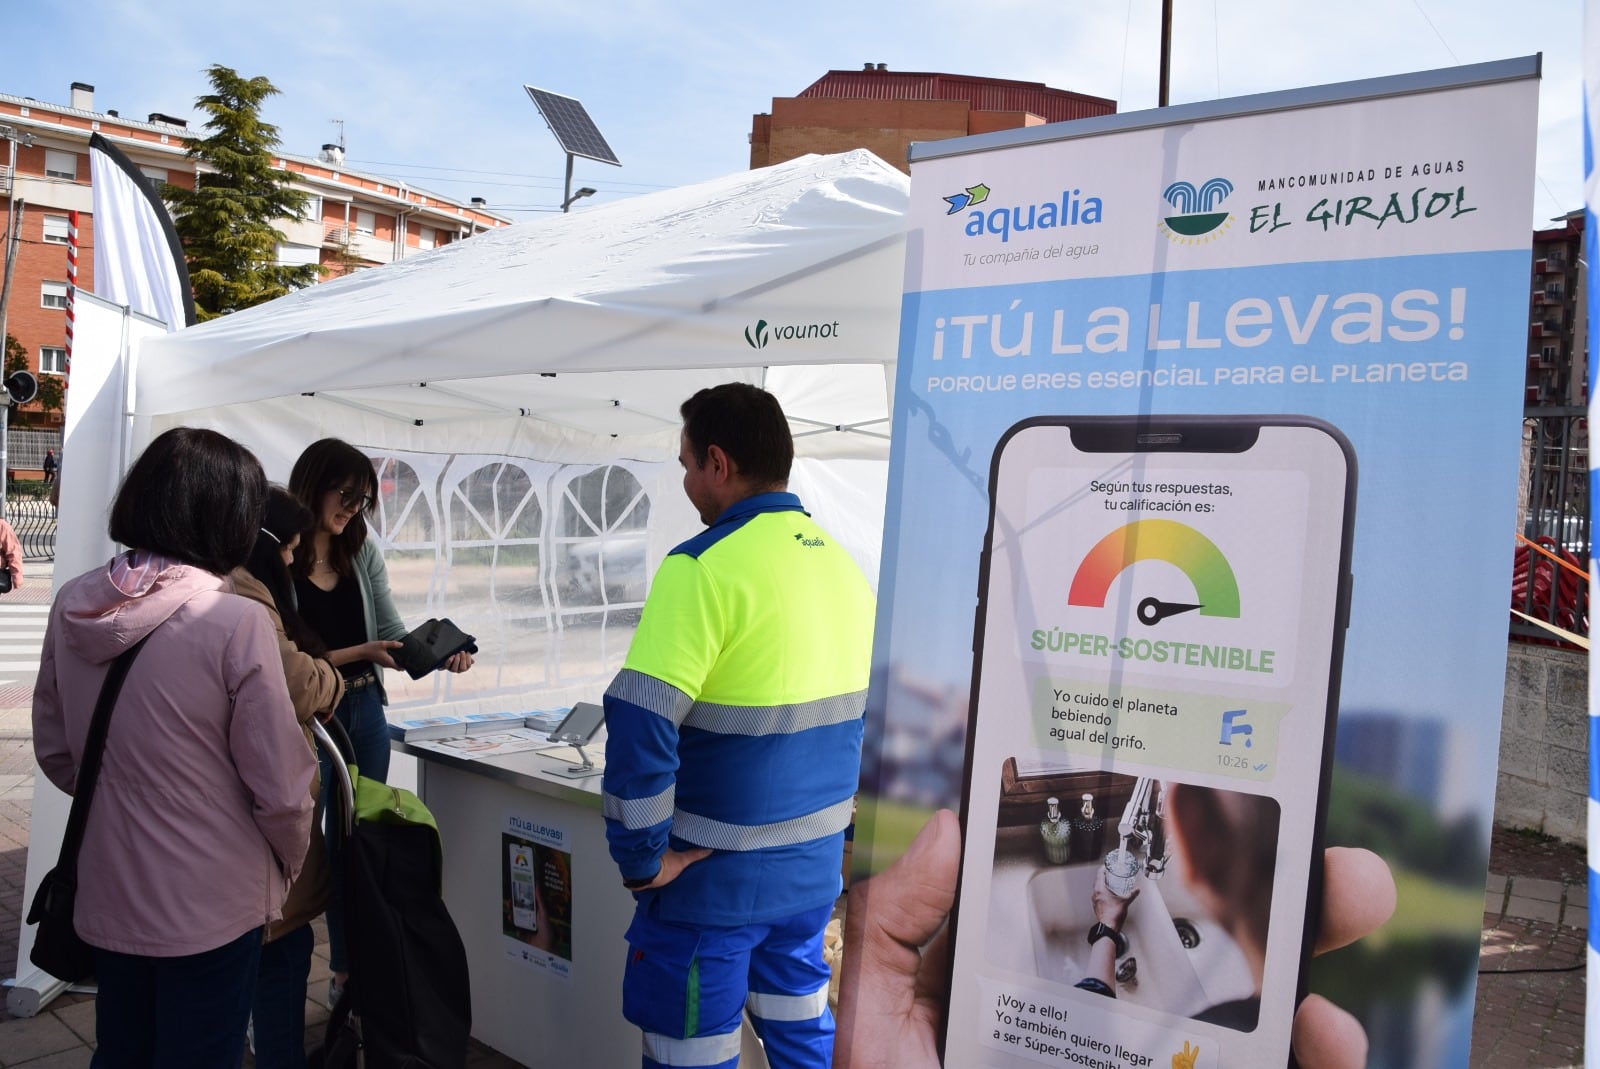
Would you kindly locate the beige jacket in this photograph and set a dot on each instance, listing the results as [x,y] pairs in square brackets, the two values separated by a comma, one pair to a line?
[315,687]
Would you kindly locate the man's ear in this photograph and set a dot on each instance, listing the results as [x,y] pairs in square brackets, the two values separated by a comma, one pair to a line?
[720,464]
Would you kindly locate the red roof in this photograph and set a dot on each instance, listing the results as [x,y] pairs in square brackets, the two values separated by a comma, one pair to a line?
[983,94]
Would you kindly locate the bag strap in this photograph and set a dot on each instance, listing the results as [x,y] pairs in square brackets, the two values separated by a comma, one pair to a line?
[93,747]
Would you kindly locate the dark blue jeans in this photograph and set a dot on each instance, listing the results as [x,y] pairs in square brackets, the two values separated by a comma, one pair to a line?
[190,1011]
[361,713]
[280,1003]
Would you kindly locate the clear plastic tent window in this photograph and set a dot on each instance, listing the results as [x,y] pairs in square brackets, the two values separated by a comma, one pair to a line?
[545,563]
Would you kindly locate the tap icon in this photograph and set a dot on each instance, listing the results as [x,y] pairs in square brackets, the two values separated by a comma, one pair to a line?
[1144,821]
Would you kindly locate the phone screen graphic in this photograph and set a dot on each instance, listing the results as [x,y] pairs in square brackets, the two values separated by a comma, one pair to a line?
[1160,623]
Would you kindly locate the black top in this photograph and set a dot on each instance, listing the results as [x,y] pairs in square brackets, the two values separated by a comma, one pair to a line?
[336,616]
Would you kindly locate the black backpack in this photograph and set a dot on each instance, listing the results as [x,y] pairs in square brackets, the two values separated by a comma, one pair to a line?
[408,1002]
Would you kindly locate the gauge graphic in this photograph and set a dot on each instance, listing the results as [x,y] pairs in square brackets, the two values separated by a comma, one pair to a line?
[1216,591]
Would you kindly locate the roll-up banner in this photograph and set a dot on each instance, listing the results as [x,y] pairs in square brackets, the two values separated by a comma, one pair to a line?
[1201,509]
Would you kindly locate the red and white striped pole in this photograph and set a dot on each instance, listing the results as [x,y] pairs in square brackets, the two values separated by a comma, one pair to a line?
[72,282]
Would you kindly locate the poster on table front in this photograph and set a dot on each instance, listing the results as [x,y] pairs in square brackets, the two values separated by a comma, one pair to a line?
[536,895]
[1201,499]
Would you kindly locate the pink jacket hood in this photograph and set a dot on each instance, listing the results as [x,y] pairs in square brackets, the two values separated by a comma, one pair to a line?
[112,608]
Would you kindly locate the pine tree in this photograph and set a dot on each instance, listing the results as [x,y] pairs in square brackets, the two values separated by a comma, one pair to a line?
[226,221]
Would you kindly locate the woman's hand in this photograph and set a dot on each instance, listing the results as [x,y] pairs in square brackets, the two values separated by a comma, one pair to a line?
[376,651]
[458,662]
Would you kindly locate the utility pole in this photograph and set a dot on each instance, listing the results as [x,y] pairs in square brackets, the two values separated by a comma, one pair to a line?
[1165,91]
[8,258]
[8,242]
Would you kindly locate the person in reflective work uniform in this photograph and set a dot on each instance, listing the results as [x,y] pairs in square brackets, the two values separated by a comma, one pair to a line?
[733,753]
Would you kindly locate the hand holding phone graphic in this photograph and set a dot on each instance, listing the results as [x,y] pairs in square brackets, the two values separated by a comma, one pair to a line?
[1162,604]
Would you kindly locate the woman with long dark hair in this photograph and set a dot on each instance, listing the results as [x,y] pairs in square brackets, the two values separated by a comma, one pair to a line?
[342,593]
[202,808]
[278,1015]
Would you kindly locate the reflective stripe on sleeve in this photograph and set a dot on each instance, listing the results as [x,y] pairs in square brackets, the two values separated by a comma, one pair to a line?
[636,814]
[639,813]
[788,1007]
[701,1050]
[704,831]
[649,693]
[776,719]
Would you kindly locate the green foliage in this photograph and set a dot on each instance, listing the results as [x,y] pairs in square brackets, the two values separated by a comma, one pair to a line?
[34,488]
[226,221]
[1363,811]
[52,388]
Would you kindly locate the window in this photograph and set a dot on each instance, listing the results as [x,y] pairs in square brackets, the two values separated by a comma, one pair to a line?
[52,295]
[59,164]
[156,176]
[425,237]
[312,209]
[52,360]
[55,229]
[366,222]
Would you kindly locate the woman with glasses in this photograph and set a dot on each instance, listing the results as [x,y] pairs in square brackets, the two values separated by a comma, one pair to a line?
[342,593]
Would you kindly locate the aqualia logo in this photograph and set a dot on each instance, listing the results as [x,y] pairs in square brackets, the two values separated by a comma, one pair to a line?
[1196,218]
[760,335]
[1073,208]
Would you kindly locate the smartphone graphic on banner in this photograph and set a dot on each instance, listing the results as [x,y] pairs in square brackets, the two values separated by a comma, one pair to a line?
[1160,627]
[524,905]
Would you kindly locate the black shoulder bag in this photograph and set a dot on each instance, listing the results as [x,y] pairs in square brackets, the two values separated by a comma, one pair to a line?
[56,946]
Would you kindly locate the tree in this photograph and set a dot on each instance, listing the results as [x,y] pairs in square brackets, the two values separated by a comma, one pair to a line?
[52,392]
[226,221]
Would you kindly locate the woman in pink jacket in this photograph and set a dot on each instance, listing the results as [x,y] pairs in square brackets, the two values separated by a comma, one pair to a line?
[202,812]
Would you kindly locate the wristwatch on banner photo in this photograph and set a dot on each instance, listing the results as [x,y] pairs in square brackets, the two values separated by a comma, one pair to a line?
[1102,930]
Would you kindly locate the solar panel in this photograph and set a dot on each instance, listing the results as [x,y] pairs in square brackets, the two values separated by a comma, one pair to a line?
[572,126]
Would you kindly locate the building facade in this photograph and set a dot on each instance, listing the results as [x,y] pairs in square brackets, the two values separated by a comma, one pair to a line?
[351,219]
[884,111]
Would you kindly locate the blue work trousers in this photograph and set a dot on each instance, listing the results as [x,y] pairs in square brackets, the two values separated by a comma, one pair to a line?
[687,989]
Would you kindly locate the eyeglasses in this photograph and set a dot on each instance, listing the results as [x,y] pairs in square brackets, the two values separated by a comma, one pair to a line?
[360,501]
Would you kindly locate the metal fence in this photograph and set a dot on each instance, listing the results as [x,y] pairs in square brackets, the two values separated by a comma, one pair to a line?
[1556,443]
[34,520]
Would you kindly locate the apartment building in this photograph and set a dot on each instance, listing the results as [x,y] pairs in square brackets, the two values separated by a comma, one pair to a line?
[1555,499]
[1557,317]
[884,111]
[351,218]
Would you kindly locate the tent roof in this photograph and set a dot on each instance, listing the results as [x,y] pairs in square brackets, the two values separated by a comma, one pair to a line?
[796,264]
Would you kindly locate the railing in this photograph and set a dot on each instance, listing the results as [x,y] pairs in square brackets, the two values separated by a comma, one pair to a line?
[1552,556]
[34,520]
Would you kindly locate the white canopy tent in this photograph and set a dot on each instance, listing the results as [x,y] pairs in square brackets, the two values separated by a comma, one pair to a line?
[520,391]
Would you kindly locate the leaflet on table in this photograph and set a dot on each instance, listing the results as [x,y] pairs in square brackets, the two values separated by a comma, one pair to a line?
[449,726]
[473,747]
[492,723]
[428,727]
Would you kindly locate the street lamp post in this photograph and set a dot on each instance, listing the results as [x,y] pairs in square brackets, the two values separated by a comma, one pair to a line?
[586,191]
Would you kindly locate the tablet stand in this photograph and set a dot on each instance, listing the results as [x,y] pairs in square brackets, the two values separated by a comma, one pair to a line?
[577,771]
[580,726]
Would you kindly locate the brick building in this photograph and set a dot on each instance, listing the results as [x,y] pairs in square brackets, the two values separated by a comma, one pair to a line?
[351,219]
[884,111]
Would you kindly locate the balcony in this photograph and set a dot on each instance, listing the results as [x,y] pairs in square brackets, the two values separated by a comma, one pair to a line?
[364,246]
